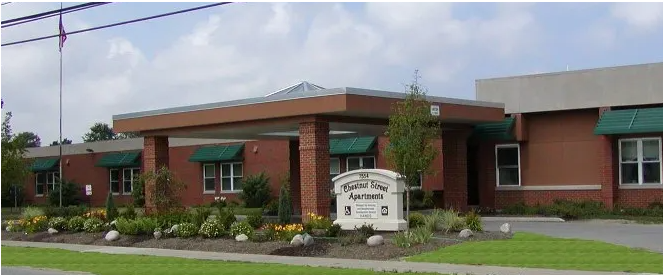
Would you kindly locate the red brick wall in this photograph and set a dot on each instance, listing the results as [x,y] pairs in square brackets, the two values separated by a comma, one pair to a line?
[454,149]
[314,167]
[506,198]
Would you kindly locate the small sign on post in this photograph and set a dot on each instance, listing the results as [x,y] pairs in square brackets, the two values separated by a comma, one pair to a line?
[435,110]
[88,189]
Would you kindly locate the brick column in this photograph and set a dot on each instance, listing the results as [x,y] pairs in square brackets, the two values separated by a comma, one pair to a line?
[609,190]
[314,168]
[155,156]
[454,159]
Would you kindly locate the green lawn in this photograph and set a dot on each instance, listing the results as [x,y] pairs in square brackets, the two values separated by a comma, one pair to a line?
[538,251]
[112,264]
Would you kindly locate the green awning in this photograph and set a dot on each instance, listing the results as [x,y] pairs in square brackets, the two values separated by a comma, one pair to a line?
[356,145]
[44,164]
[502,130]
[630,121]
[119,159]
[217,153]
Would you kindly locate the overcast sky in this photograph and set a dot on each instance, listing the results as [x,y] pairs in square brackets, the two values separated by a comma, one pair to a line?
[251,49]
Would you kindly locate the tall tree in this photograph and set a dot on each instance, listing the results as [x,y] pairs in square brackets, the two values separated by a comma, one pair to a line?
[98,132]
[29,139]
[15,169]
[412,130]
[127,135]
[64,141]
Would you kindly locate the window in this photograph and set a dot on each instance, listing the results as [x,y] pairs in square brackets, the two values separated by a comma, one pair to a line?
[334,170]
[231,176]
[129,176]
[45,182]
[115,181]
[420,182]
[51,179]
[355,163]
[640,161]
[209,178]
[507,161]
[40,183]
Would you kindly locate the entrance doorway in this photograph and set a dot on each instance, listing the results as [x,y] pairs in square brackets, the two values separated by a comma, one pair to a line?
[472,174]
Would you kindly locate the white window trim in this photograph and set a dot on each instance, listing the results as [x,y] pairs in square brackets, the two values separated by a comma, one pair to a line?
[640,161]
[204,178]
[497,167]
[37,182]
[232,176]
[338,172]
[130,170]
[49,176]
[361,161]
[110,180]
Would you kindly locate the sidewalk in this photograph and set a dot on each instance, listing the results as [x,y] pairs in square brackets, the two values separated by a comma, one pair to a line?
[322,262]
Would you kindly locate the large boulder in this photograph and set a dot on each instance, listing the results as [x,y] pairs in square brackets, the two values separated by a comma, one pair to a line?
[465,233]
[52,231]
[297,240]
[242,238]
[157,234]
[308,240]
[375,240]
[112,235]
[505,228]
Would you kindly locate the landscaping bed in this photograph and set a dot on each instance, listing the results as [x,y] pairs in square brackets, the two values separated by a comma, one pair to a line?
[323,247]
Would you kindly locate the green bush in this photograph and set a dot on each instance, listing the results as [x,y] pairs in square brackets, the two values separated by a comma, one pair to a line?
[200,215]
[76,224]
[186,230]
[352,237]
[71,194]
[427,200]
[211,229]
[416,219]
[145,225]
[138,193]
[226,217]
[255,190]
[126,227]
[452,221]
[8,195]
[167,220]
[285,205]
[366,230]
[434,221]
[65,212]
[58,223]
[421,235]
[334,230]
[402,239]
[655,205]
[31,212]
[473,221]
[238,228]
[111,210]
[272,208]
[255,220]
[129,212]
[416,199]
[93,225]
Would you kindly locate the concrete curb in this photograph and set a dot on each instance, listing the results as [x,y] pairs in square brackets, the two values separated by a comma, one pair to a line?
[522,219]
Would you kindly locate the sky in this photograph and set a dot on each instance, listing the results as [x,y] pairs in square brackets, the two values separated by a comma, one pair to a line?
[244,50]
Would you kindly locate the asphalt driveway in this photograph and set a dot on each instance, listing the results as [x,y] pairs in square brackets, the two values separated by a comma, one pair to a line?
[633,235]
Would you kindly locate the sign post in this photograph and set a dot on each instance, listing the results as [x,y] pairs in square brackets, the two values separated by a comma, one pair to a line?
[370,196]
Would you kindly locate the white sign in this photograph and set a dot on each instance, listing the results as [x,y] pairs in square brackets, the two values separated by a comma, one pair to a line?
[88,189]
[370,196]
[435,110]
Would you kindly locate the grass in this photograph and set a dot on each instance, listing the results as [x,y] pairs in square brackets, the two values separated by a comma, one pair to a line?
[538,251]
[113,264]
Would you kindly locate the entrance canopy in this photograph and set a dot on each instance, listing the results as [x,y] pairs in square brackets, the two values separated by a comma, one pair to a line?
[349,111]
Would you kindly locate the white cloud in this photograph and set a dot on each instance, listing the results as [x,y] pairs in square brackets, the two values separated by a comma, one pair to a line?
[247,50]
[645,16]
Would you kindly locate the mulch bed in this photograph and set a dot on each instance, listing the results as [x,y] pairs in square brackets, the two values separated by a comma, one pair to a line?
[323,247]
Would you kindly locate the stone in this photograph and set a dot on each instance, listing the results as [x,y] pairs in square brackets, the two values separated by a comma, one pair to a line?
[465,233]
[375,240]
[157,234]
[174,228]
[505,228]
[52,231]
[113,222]
[242,238]
[297,240]
[308,239]
[112,235]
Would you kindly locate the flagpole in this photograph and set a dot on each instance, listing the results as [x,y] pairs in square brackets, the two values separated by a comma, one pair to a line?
[60,142]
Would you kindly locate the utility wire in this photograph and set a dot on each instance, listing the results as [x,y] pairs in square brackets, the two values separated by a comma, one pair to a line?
[5,3]
[118,24]
[58,11]
[51,15]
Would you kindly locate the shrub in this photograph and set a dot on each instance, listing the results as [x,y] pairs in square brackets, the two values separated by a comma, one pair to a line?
[8,195]
[138,193]
[416,199]
[655,205]
[169,198]
[111,210]
[427,200]
[100,214]
[519,209]
[226,217]
[421,235]
[352,237]
[416,219]
[272,208]
[129,212]
[318,221]
[126,227]
[283,232]
[402,239]
[58,223]
[65,212]
[76,224]
[93,225]
[31,212]
[255,220]
[145,225]
[168,219]
[285,205]
[200,215]
[34,224]
[71,194]
[255,190]
[365,230]
[238,228]
[334,230]
[186,230]
[452,222]
[473,221]
[211,229]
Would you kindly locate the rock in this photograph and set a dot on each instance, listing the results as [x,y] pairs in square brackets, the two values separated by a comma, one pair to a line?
[242,238]
[465,233]
[113,222]
[308,240]
[297,240]
[505,228]
[8,228]
[375,240]
[174,228]
[157,234]
[112,235]
[52,231]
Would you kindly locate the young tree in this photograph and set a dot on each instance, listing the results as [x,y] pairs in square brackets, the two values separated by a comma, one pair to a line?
[64,141]
[98,132]
[15,169]
[127,135]
[411,132]
[29,139]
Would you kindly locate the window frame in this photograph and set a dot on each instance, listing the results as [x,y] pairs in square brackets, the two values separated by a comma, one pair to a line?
[640,161]
[54,176]
[213,165]
[232,176]
[332,175]
[110,181]
[45,186]
[361,162]
[131,180]
[497,166]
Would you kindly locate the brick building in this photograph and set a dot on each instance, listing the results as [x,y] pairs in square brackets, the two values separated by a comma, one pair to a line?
[592,134]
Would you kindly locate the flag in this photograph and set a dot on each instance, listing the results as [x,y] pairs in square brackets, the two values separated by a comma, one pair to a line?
[63,34]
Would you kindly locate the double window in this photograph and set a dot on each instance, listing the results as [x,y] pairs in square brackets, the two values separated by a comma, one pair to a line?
[507,164]
[354,163]
[123,183]
[231,177]
[640,161]
[45,182]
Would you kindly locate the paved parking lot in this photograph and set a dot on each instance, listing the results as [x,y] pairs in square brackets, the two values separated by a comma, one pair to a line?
[633,235]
